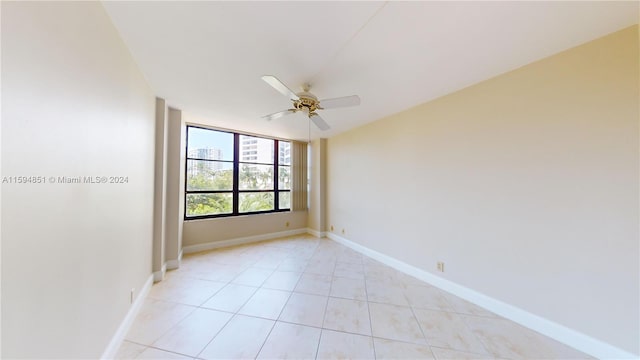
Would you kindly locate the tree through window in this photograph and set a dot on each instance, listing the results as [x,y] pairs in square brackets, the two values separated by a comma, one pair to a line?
[234,174]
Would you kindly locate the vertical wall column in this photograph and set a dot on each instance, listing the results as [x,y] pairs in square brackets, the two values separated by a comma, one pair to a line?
[318,187]
[159,266]
[174,186]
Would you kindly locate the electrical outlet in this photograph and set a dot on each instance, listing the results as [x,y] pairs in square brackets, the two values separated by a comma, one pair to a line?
[286,224]
[331,227]
[440,266]
[342,231]
[133,290]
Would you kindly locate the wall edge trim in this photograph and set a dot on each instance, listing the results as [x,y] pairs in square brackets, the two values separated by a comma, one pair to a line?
[316,233]
[118,337]
[159,275]
[175,263]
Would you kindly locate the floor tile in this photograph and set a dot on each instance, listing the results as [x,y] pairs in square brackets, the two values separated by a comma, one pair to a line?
[282,280]
[219,272]
[155,318]
[156,354]
[406,280]
[386,293]
[448,354]
[314,284]
[268,262]
[379,272]
[193,333]
[348,289]
[241,338]
[464,307]
[293,264]
[448,330]
[129,350]
[352,257]
[391,349]
[506,339]
[339,345]
[266,303]
[252,277]
[395,323]
[290,341]
[305,309]
[347,315]
[186,291]
[427,297]
[320,268]
[231,298]
[349,270]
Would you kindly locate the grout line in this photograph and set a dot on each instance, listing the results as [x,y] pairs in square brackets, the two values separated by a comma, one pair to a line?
[265,339]
[466,324]
[422,331]
[366,293]
[169,351]
[462,351]
[318,347]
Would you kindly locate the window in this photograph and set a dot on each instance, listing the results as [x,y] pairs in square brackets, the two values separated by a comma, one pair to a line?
[231,174]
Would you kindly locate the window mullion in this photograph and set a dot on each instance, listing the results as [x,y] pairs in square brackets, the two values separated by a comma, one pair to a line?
[236,173]
[276,178]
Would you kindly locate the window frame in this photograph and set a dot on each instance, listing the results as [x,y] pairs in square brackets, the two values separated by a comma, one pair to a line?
[236,163]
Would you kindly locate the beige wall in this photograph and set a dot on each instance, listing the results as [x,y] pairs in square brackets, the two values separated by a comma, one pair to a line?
[73,104]
[318,185]
[204,231]
[525,185]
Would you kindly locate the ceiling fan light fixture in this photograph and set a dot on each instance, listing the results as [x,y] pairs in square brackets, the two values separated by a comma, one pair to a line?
[307,102]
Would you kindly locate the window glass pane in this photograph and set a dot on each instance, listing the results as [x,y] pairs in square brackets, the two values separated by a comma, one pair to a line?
[255,149]
[285,200]
[256,177]
[209,175]
[284,153]
[284,177]
[262,201]
[209,204]
[209,144]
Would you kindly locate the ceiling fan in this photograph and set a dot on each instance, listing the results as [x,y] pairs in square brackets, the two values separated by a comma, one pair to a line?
[308,103]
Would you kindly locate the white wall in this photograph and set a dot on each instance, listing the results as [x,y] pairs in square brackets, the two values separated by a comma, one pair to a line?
[74,104]
[525,185]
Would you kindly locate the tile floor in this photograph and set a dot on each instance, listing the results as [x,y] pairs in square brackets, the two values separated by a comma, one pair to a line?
[308,298]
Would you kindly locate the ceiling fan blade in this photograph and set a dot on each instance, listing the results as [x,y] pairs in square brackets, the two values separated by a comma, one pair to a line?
[320,123]
[344,101]
[279,114]
[282,88]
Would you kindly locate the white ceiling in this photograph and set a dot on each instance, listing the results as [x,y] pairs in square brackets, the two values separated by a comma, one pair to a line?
[206,58]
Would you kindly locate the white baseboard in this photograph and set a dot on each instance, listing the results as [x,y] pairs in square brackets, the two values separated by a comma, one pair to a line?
[239,241]
[116,340]
[316,233]
[159,275]
[175,263]
[563,334]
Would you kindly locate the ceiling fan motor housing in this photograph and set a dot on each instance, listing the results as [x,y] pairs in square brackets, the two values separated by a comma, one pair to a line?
[307,102]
